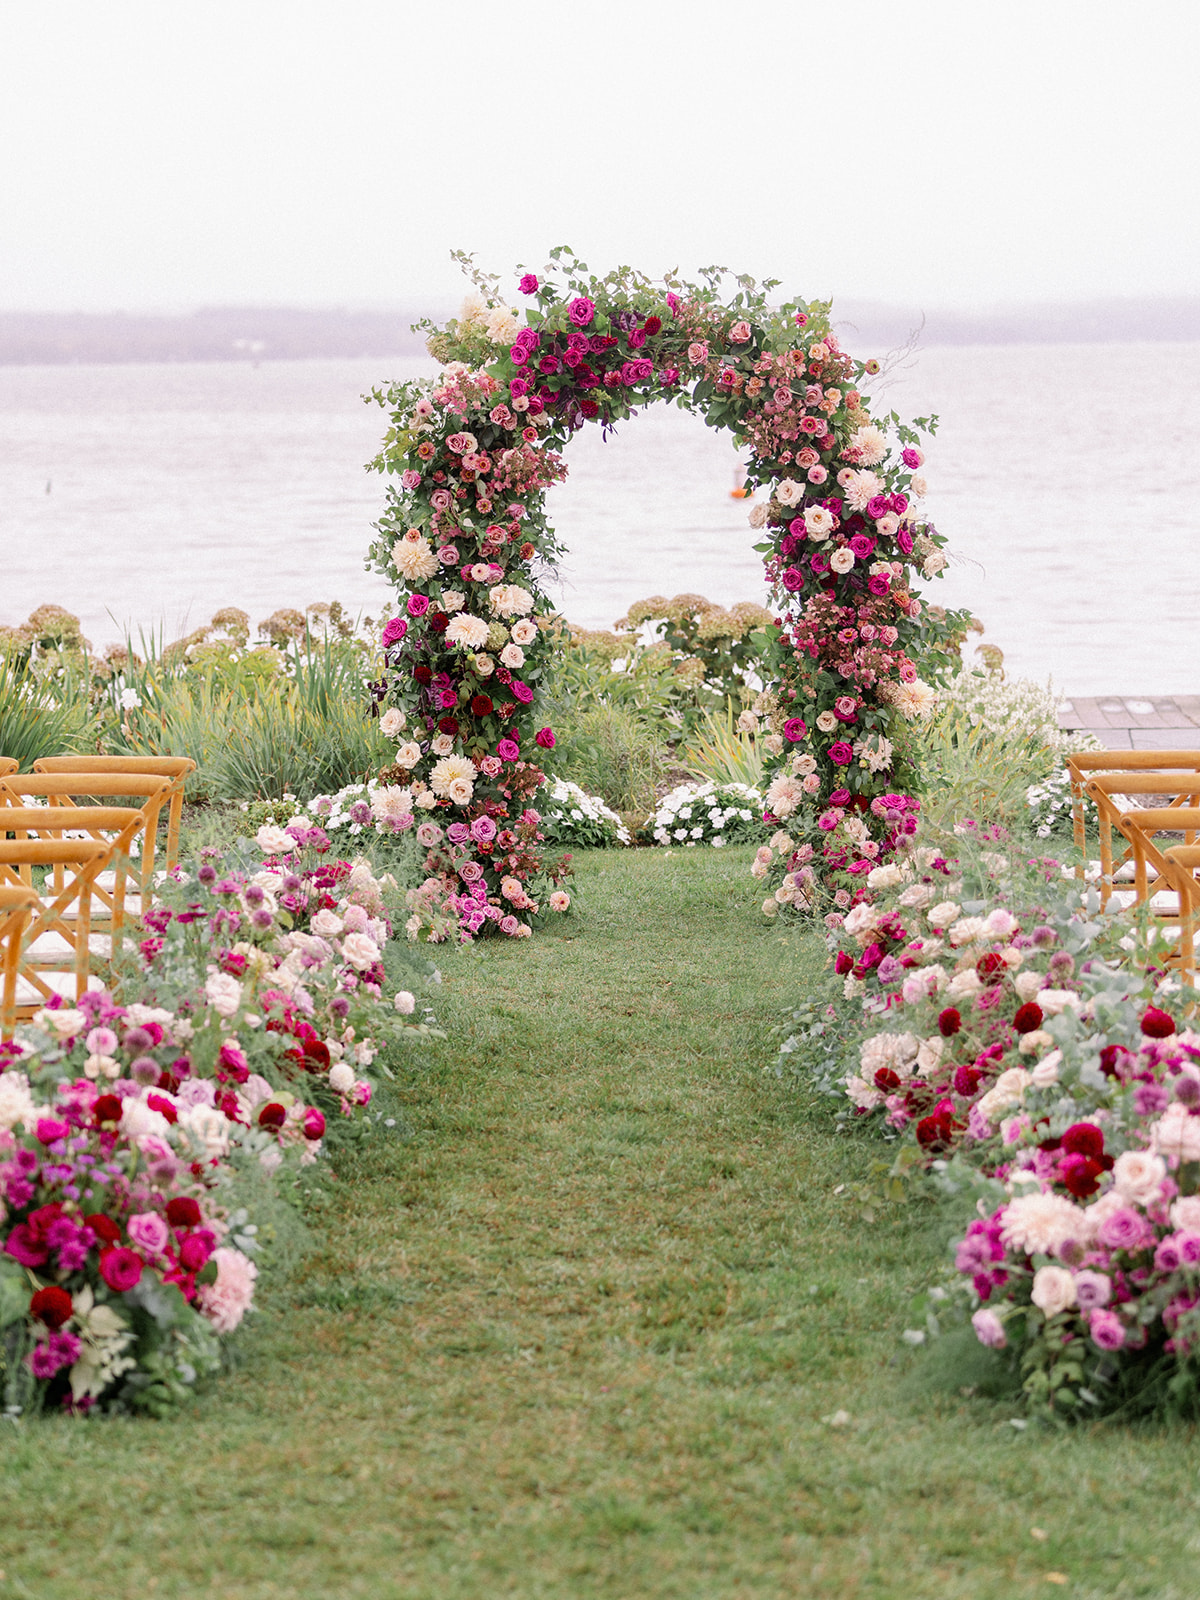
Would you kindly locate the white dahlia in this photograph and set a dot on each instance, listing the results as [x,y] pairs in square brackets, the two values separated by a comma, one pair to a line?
[869,445]
[510,600]
[413,558]
[451,770]
[468,630]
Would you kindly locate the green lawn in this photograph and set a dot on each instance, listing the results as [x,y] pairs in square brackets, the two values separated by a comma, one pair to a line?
[574,1332]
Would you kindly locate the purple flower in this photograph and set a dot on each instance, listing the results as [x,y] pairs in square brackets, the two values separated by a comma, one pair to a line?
[581,311]
[60,1350]
[458,833]
[1149,1099]
[483,829]
[1092,1290]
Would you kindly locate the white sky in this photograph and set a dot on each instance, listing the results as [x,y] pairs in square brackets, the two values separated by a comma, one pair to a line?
[154,156]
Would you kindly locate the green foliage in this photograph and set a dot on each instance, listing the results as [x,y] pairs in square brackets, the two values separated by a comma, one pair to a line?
[40,717]
[719,751]
[610,751]
[973,771]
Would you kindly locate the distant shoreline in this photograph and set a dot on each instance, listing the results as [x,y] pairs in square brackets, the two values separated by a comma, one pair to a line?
[257,334]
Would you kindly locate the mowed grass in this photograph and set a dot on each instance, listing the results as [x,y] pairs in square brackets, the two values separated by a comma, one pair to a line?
[576,1331]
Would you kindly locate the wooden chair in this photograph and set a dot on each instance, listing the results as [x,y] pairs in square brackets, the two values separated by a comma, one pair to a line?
[1110,792]
[62,789]
[1085,764]
[64,918]
[115,827]
[17,903]
[1181,864]
[1142,828]
[176,768]
[8,764]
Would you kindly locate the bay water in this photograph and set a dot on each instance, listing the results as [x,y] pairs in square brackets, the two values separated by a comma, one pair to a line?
[1066,476]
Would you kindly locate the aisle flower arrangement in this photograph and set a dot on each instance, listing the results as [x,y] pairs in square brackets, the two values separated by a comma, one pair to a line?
[141,1140]
[465,539]
[1020,1052]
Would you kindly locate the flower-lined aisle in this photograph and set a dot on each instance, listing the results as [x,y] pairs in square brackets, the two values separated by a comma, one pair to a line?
[1029,1056]
[465,537]
[151,1137]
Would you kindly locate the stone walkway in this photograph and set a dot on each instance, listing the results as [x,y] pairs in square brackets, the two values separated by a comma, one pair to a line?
[1159,722]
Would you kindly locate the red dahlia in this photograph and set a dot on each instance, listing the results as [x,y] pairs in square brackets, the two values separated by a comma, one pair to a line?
[1084,1139]
[949,1022]
[53,1306]
[481,705]
[1157,1024]
[183,1212]
[1028,1017]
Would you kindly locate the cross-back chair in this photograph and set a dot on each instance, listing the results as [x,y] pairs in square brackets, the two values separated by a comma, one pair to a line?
[54,920]
[1111,792]
[1085,765]
[176,768]
[62,789]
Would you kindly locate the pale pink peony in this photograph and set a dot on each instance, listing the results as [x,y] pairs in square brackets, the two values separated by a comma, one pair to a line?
[226,1301]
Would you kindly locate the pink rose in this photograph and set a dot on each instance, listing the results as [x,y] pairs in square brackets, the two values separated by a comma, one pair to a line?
[509,925]
[410,479]
[149,1232]
[698,353]
[418,605]
[490,767]
[739,333]
[507,750]
[528,284]
[440,499]
[314,1124]
[448,555]
[841,754]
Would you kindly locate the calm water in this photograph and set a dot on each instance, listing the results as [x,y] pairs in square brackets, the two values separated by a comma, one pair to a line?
[1066,476]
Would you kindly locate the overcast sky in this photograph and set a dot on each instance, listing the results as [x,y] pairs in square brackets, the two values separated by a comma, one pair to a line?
[942,152]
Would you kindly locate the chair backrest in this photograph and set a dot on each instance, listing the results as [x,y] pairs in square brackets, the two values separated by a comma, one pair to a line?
[86,857]
[1182,862]
[16,907]
[176,768]
[8,764]
[65,788]
[1084,763]
[1105,790]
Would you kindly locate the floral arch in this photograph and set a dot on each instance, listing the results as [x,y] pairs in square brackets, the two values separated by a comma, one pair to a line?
[470,457]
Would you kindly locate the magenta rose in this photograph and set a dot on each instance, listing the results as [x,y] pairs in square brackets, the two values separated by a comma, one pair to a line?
[393,631]
[1107,1330]
[418,605]
[794,729]
[905,540]
[878,506]
[840,797]
[911,458]
[548,366]
[793,579]
[528,284]
[120,1268]
[314,1124]
[841,754]
[195,1250]
[518,387]
[862,545]
[879,583]
[522,692]
[50,1129]
[544,737]
[507,750]
[447,699]
[581,311]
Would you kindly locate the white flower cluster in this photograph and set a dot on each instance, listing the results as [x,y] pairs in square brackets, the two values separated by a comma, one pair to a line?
[336,815]
[707,813]
[1014,707]
[571,815]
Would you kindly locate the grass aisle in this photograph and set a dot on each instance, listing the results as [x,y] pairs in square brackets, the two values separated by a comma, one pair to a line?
[576,1334]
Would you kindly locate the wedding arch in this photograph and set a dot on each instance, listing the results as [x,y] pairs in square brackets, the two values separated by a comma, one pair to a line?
[470,456]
